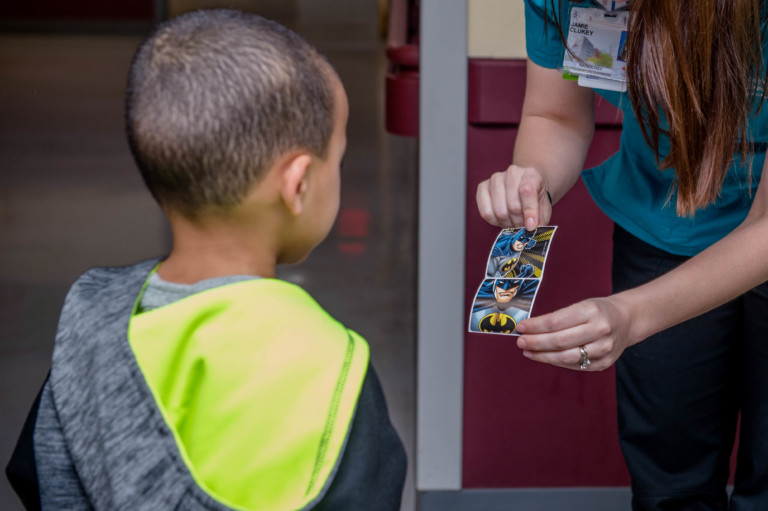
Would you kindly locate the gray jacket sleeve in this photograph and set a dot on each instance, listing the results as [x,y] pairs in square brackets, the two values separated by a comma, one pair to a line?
[64,490]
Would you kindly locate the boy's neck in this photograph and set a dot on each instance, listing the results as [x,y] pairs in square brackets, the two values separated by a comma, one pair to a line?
[209,249]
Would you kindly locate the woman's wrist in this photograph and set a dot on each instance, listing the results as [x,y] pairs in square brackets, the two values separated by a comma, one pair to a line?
[637,309]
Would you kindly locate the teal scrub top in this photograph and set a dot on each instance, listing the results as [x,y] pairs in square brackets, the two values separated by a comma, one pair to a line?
[628,186]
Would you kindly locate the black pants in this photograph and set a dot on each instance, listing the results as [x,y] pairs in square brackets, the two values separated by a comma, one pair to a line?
[680,393]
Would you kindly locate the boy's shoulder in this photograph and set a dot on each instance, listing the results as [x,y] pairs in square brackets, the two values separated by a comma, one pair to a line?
[99,284]
[99,301]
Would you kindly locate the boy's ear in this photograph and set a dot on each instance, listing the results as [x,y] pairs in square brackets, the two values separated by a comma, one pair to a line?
[293,186]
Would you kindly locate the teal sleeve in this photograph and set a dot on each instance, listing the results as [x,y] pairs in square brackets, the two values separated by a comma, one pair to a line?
[542,38]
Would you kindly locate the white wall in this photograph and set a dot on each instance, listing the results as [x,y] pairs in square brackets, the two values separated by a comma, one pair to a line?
[496,29]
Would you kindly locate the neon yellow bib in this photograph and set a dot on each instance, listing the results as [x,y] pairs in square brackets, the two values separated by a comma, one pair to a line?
[258,385]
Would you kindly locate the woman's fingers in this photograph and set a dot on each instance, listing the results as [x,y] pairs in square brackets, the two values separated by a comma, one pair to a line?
[512,198]
[559,321]
[572,357]
[560,340]
[484,205]
[567,352]
[597,324]
[503,193]
[529,198]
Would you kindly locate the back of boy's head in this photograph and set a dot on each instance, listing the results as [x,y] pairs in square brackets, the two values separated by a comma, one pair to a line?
[214,97]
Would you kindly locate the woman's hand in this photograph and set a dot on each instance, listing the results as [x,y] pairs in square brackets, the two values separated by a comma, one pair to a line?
[513,198]
[600,325]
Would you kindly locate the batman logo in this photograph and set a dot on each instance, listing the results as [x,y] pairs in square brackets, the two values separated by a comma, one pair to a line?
[497,323]
[508,265]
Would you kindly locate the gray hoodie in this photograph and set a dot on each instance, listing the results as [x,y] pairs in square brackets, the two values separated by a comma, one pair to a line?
[99,441]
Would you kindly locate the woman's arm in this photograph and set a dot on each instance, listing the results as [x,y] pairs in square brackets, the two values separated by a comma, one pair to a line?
[555,132]
[609,325]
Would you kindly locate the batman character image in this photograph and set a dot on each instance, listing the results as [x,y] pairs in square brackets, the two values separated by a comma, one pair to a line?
[506,254]
[501,304]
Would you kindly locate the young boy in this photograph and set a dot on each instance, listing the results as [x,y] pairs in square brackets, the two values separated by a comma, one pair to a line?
[200,382]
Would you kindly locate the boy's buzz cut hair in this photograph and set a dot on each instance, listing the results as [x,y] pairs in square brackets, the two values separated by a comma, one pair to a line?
[214,97]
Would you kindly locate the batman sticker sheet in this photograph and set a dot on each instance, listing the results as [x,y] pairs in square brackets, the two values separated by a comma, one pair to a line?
[515,268]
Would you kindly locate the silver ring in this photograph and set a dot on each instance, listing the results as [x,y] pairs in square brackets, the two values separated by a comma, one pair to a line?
[584,362]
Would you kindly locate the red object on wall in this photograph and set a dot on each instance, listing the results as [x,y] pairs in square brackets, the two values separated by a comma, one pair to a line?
[402,80]
[527,424]
[402,90]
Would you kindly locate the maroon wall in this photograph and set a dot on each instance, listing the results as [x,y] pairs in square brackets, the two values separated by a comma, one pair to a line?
[528,424]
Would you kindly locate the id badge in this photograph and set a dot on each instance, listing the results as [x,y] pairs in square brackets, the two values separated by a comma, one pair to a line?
[596,40]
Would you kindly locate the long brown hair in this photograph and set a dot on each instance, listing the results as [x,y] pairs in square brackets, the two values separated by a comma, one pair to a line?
[697,66]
